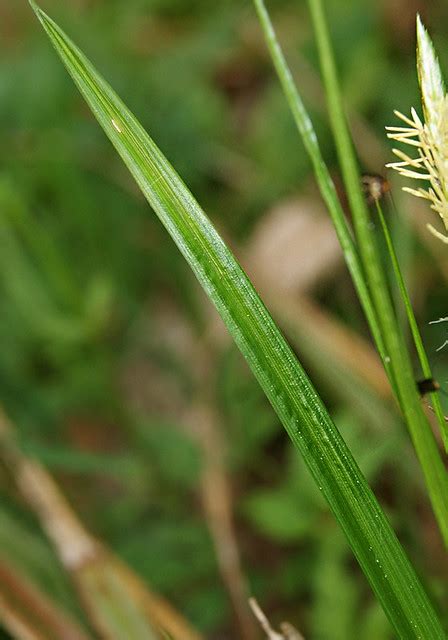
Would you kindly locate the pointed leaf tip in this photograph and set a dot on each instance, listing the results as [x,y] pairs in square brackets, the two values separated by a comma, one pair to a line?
[37,10]
[34,6]
[43,18]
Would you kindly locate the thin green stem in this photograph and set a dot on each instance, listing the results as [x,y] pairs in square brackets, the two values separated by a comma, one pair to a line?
[420,430]
[326,184]
[423,358]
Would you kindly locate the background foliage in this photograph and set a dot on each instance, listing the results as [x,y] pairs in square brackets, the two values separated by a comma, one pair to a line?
[108,346]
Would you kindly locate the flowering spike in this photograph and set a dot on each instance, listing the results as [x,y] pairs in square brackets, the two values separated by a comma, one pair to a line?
[429,139]
[429,75]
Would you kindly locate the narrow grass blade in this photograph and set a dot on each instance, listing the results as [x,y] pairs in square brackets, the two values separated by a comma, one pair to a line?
[270,357]
[423,358]
[326,185]
[420,430]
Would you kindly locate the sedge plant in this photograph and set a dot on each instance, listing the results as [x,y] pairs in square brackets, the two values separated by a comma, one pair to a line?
[280,374]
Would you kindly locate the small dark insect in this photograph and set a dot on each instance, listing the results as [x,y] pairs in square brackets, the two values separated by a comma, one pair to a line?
[375,187]
[428,385]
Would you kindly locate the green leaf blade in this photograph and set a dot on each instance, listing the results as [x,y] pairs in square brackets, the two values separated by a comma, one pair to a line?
[268,354]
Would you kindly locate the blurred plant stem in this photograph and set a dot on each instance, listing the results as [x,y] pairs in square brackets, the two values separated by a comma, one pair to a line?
[288,632]
[215,486]
[29,614]
[117,602]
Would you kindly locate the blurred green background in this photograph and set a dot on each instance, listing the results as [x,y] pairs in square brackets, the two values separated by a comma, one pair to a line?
[108,347]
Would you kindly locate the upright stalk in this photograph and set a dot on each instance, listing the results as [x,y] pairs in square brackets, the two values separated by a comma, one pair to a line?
[419,427]
[324,180]
[423,358]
